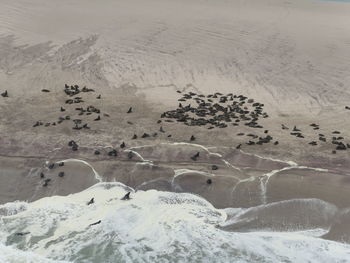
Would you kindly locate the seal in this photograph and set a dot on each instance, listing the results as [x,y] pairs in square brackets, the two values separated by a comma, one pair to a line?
[96,223]
[126,196]
[92,200]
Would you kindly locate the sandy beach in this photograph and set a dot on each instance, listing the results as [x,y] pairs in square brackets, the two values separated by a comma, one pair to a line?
[290,57]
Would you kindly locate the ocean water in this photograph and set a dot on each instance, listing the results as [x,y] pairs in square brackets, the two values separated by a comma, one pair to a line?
[156,226]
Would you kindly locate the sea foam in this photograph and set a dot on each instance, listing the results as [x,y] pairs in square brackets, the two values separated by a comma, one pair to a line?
[152,226]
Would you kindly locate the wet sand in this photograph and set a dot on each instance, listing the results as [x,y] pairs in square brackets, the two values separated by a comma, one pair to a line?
[168,167]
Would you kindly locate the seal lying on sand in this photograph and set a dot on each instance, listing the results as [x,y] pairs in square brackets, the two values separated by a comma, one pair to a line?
[5,94]
[194,157]
[46,182]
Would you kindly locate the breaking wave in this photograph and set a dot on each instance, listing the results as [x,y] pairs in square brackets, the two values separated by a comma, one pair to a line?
[156,226]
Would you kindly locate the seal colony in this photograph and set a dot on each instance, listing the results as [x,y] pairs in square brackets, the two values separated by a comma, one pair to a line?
[211,111]
[241,116]
[217,110]
[78,121]
[221,111]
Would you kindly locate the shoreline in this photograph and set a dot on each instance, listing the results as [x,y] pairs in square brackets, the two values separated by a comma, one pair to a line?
[155,168]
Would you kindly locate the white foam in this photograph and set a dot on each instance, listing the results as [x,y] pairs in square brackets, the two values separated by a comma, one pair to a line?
[291,163]
[12,255]
[138,155]
[153,226]
[179,143]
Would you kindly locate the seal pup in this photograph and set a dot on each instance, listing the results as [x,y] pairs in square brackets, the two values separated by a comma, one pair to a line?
[130,155]
[92,200]
[192,138]
[134,137]
[5,94]
[209,181]
[130,110]
[238,146]
[62,109]
[214,167]
[97,152]
[98,97]
[98,118]
[96,223]
[61,164]
[161,129]
[42,175]
[126,196]
[61,174]
[45,90]
[122,145]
